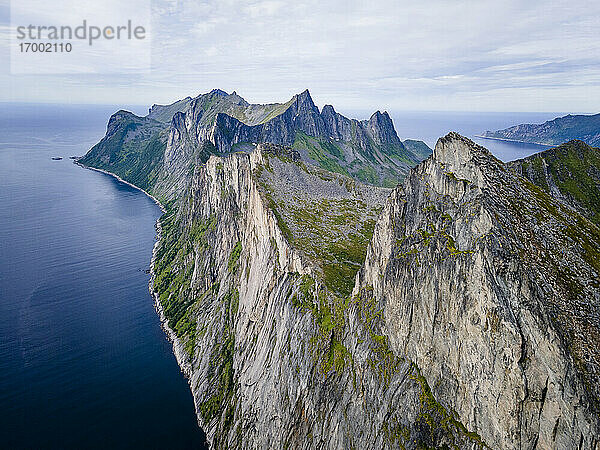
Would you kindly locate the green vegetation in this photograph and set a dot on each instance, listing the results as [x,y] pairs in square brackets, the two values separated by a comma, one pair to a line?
[435,415]
[332,233]
[384,363]
[398,152]
[276,109]
[574,168]
[135,159]
[367,174]
[437,229]
[581,231]
[324,152]
[173,266]
[418,148]
[221,372]
[173,269]
[329,313]
[335,235]
[234,257]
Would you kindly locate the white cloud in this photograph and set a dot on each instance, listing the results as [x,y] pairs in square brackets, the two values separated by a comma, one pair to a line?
[437,54]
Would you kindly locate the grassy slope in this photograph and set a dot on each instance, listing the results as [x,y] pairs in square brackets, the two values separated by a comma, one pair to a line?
[329,155]
[574,167]
[332,230]
[135,159]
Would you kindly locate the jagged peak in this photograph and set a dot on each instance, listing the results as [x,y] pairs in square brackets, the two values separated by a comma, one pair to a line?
[304,94]
[382,128]
[458,146]
[218,92]
[463,158]
[377,115]
[328,110]
[304,101]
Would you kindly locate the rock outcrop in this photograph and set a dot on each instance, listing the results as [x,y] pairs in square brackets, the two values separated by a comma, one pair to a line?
[491,287]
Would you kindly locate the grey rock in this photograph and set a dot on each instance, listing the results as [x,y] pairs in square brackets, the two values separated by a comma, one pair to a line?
[489,288]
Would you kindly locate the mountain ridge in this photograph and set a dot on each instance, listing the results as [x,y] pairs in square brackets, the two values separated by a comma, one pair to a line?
[553,132]
[217,122]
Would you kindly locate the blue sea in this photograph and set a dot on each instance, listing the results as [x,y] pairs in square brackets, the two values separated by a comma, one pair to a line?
[83,360]
[429,126]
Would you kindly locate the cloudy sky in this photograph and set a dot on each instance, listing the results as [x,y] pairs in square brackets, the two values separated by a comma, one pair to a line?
[402,55]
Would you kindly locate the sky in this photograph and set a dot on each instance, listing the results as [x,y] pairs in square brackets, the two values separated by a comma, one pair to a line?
[397,55]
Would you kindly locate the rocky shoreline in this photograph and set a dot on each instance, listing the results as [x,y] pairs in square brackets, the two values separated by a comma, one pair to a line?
[154,199]
[178,348]
[514,141]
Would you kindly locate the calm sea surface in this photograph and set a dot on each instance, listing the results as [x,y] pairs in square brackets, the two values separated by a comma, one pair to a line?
[83,360]
[429,126]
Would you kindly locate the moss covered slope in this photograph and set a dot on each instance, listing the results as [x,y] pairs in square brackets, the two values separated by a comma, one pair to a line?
[569,172]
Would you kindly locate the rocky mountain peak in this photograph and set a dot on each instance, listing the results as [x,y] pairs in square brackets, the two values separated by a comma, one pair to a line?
[463,159]
[304,103]
[382,128]
[219,92]
[328,111]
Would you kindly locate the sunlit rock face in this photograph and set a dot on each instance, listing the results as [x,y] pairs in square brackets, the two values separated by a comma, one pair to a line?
[491,287]
[311,310]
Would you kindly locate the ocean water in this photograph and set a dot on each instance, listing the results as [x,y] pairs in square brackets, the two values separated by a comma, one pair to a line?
[429,126]
[83,360]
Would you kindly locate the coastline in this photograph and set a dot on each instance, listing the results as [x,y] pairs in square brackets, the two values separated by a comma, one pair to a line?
[178,348]
[154,199]
[514,141]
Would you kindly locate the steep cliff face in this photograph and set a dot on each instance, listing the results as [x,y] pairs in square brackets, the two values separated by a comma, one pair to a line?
[276,355]
[492,288]
[570,173]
